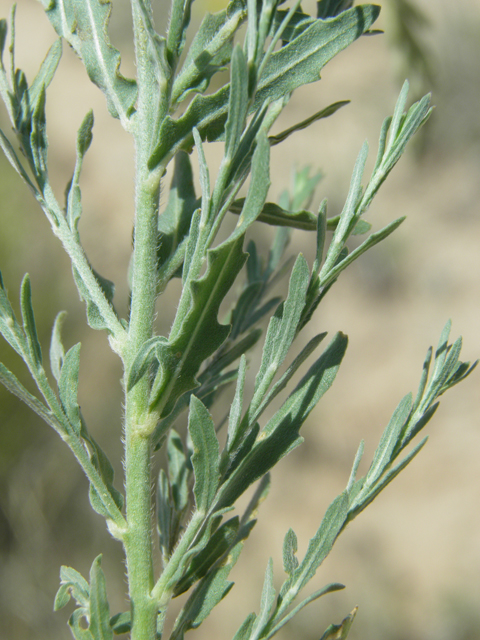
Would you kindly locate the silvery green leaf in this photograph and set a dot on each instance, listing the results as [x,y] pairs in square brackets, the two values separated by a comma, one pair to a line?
[94,315]
[29,325]
[198,334]
[68,388]
[258,188]
[121,623]
[13,385]
[282,330]
[220,543]
[298,22]
[165,515]
[178,472]
[295,64]
[209,52]
[9,327]
[206,454]
[245,629]
[76,622]
[99,609]
[174,222]
[73,584]
[73,193]
[204,175]
[235,415]
[275,215]
[323,113]
[321,235]
[230,352]
[193,238]
[206,595]
[281,434]
[307,350]
[45,73]
[328,8]
[319,547]
[343,262]
[39,142]
[84,23]
[238,102]
[105,469]
[57,352]
[143,361]
[15,162]
[276,625]
[383,455]
[290,547]
[266,602]
[366,495]
[340,631]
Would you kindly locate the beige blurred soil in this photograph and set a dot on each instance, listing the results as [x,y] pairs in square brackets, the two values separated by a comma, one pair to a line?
[412,560]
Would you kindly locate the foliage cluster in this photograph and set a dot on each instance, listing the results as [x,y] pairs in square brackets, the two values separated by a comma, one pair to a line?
[168,111]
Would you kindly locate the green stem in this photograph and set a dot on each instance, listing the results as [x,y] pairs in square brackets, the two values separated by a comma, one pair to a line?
[139,423]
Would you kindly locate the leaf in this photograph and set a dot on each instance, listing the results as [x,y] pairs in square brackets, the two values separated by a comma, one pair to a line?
[73,584]
[209,52]
[206,595]
[99,610]
[259,186]
[238,102]
[83,23]
[206,454]
[94,315]
[295,64]
[266,603]
[318,548]
[323,113]
[245,629]
[105,469]
[57,352]
[29,326]
[235,415]
[45,73]
[178,474]
[290,547]
[219,544]
[275,215]
[275,626]
[15,162]
[329,8]
[73,193]
[174,223]
[68,388]
[13,385]
[143,361]
[121,623]
[38,142]
[388,441]
[340,631]
[282,330]
[198,335]
[281,434]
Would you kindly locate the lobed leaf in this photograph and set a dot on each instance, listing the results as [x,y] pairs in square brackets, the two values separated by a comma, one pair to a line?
[294,65]
[84,23]
[199,333]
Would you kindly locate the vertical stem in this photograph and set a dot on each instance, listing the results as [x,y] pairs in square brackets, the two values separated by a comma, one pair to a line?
[139,422]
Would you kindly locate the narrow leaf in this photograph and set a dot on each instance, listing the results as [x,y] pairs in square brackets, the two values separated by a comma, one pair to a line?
[206,454]
[295,64]
[323,113]
[99,610]
[57,352]
[28,318]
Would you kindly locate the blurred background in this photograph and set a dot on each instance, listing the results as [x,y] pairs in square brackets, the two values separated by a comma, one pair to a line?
[412,560]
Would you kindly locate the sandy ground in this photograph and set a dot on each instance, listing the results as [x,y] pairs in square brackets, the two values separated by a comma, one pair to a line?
[412,560]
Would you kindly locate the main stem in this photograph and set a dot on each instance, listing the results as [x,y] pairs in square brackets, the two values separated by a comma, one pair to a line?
[139,421]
